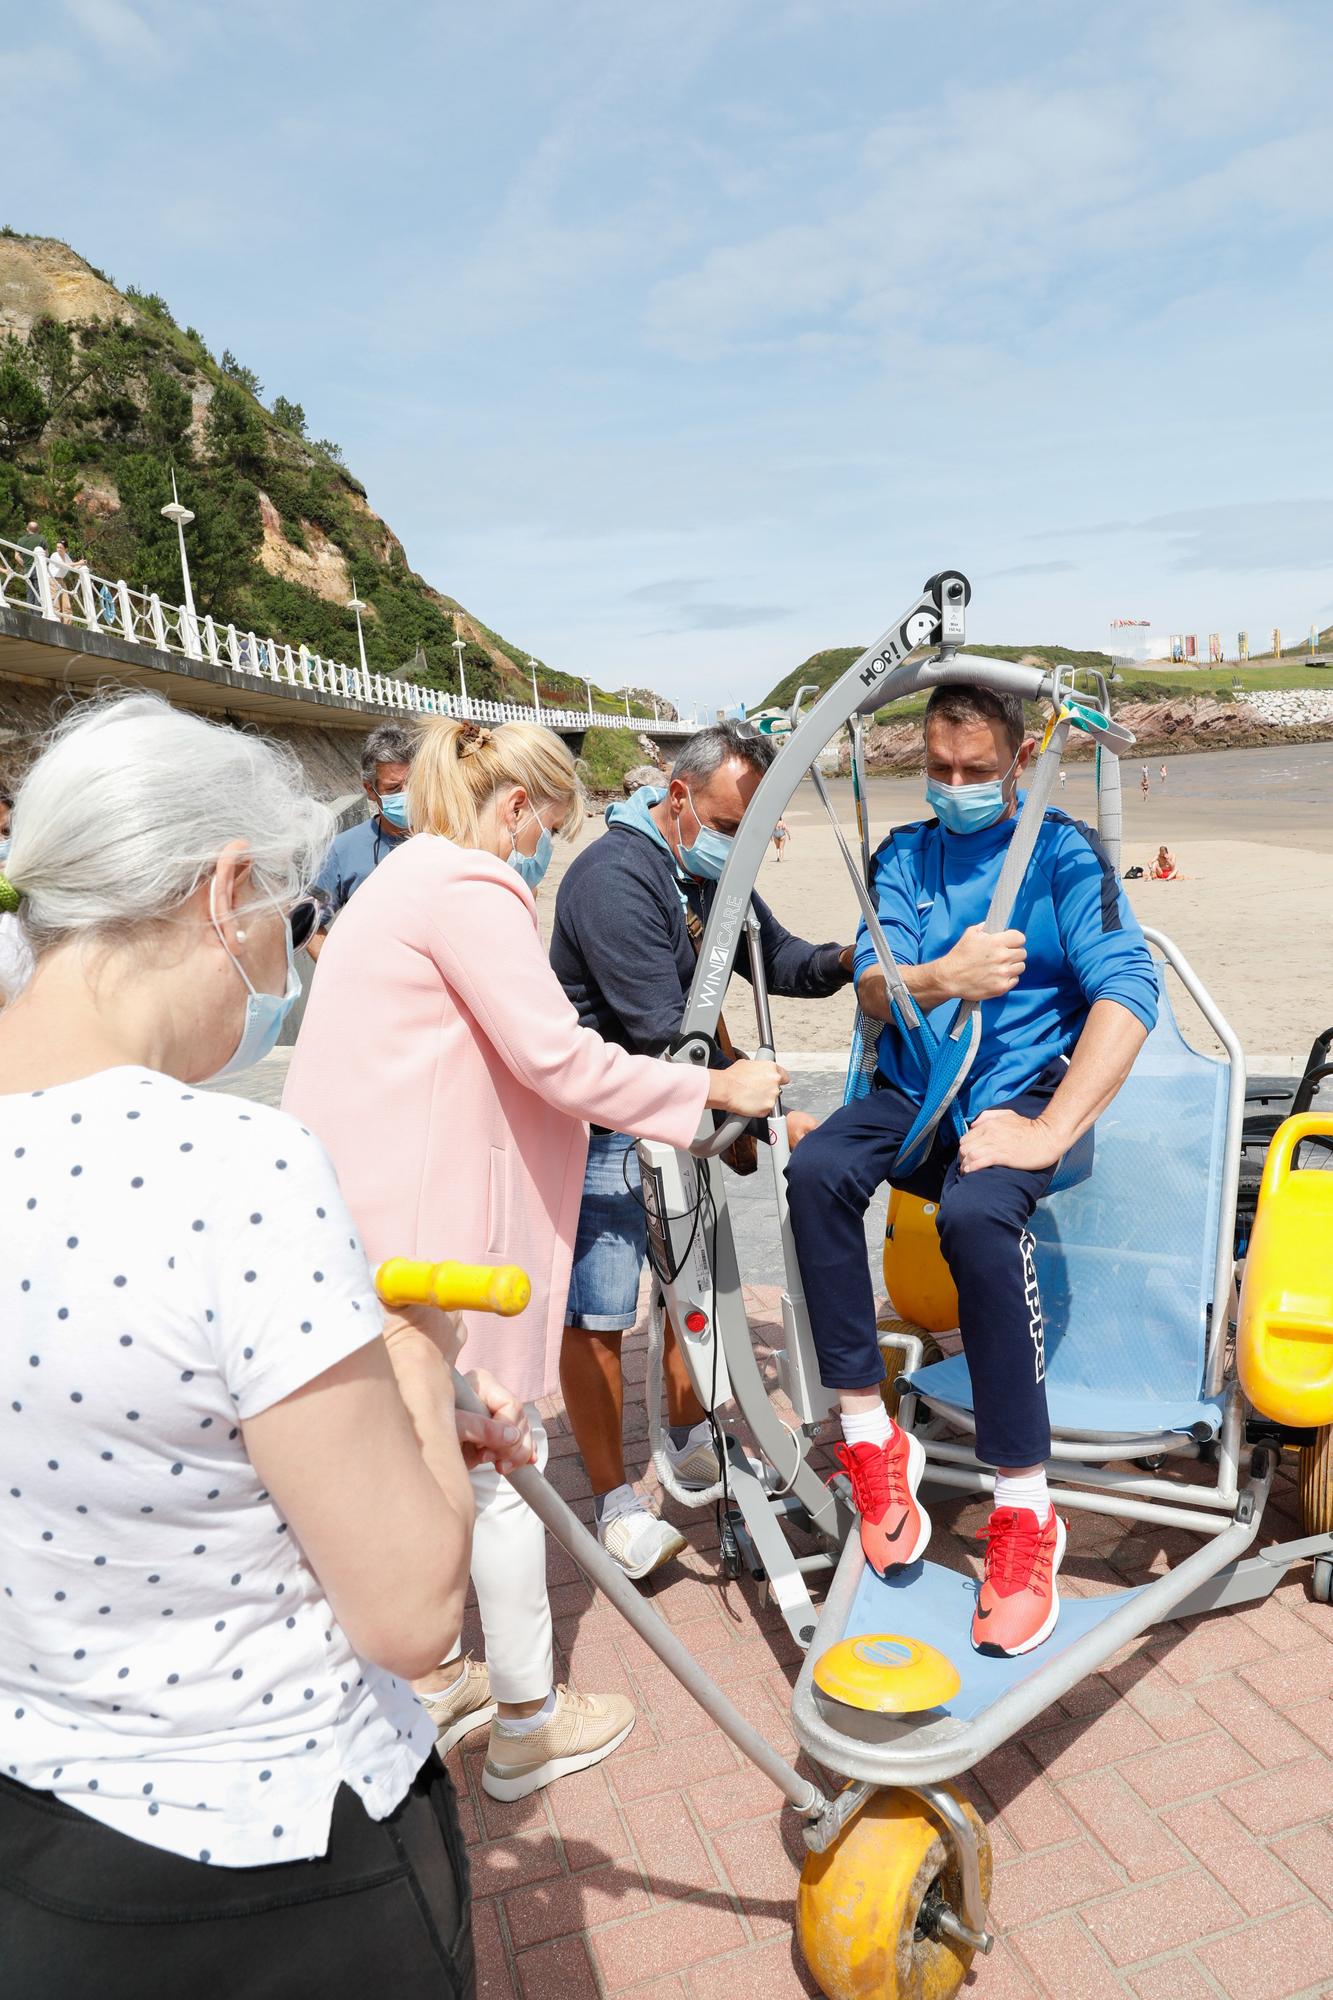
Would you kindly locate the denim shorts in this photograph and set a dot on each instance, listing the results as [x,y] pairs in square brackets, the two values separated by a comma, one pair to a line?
[612,1239]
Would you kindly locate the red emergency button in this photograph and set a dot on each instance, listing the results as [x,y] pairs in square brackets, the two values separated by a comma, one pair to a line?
[696,1322]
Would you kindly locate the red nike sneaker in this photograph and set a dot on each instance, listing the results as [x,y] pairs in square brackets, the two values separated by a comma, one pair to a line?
[1018,1604]
[894,1529]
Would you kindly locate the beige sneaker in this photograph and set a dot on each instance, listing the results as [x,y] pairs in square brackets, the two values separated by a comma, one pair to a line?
[584,1729]
[639,1540]
[695,1463]
[458,1710]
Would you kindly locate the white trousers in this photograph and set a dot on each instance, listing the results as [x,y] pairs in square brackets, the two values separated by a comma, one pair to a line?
[509,1576]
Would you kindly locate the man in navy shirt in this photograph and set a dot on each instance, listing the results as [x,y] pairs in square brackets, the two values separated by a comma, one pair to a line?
[622,950]
[386,761]
[1067,997]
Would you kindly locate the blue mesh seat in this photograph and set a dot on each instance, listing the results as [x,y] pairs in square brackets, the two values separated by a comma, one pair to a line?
[1125,1258]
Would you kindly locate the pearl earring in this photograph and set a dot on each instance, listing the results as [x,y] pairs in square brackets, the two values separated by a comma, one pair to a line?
[240,937]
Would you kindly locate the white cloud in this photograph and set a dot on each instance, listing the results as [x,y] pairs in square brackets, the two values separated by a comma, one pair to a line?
[118,28]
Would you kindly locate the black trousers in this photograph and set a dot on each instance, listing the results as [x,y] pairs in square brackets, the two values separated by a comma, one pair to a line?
[983,1224]
[87,1913]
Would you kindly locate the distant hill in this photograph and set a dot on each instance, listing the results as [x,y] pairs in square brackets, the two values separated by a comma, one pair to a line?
[822,669]
[102,394]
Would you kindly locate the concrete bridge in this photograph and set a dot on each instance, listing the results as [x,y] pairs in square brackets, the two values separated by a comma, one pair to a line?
[63,635]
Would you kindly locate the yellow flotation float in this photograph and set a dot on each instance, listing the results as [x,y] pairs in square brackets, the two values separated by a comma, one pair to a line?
[1284,1340]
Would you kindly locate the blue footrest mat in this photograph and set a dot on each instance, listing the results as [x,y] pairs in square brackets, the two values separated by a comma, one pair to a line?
[933,1604]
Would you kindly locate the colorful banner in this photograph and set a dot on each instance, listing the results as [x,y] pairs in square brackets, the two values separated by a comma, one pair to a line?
[1277,642]
[1191,646]
[1215,646]
[1242,645]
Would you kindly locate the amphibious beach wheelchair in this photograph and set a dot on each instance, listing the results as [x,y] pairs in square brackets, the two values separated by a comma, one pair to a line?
[1152,1422]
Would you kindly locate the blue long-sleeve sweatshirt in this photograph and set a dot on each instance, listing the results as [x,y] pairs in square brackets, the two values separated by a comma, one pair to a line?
[1083,944]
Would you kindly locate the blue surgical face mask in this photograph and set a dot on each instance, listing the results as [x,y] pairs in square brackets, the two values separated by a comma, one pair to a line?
[264,1012]
[5,844]
[530,867]
[706,856]
[968,808]
[393,806]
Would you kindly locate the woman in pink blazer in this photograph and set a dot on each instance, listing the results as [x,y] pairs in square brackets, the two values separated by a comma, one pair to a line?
[445,1071]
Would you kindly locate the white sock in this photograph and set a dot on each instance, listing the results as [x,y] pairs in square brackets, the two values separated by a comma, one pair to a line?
[872,1426]
[1028,1491]
[458,1679]
[523,1725]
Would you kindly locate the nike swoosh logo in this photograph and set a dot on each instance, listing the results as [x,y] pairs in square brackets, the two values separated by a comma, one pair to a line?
[897,1531]
[981,1615]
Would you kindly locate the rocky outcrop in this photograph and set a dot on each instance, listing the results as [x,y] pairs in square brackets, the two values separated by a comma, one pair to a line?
[320,567]
[1178,725]
[43,279]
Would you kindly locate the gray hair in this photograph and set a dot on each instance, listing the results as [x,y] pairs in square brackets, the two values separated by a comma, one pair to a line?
[130,804]
[387,743]
[711,748]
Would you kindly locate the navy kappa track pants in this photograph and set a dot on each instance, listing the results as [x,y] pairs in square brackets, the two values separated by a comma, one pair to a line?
[983,1223]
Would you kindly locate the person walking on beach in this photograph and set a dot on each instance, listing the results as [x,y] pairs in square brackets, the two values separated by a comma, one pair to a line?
[460,1127]
[781,835]
[622,948]
[1143,785]
[386,764]
[1161,775]
[245,1516]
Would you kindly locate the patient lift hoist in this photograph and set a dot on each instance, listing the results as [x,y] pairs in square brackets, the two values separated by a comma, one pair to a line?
[1140,1381]
[1138,1313]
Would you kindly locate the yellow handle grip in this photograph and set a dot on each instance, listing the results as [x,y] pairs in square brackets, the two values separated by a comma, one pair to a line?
[1289,1135]
[493,1288]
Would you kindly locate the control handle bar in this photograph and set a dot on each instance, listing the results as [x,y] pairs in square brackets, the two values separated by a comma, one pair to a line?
[491,1288]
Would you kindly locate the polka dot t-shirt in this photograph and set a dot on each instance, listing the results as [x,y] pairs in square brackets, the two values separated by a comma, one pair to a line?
[173,1262]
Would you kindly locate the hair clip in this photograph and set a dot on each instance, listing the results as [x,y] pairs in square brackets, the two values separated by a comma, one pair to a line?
[10,897]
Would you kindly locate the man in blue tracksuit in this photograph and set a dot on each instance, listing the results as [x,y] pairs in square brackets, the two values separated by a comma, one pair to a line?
[1068,996]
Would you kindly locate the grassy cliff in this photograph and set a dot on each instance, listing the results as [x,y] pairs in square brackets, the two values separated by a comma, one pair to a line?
[102,394]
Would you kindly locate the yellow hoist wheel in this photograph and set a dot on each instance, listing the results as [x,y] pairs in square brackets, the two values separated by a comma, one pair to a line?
[860,1905]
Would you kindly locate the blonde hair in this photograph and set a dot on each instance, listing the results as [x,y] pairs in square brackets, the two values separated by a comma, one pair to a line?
[459,767]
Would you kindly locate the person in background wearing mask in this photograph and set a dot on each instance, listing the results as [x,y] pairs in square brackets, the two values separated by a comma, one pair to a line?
[386,764]
[459,1129]
[625,916]
[1069,995]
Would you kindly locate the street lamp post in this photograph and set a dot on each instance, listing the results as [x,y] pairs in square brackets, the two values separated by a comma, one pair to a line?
[358,605]
[182,517]
[627,713]
[460,647]
[588,684]
[536,698]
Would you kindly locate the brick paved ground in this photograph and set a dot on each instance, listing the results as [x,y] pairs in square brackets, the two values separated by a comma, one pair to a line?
[1165,1833]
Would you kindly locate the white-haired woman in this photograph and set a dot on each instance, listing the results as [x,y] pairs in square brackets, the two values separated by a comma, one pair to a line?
[228,1536]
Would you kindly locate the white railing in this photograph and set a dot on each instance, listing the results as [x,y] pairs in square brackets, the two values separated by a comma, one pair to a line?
[68,593]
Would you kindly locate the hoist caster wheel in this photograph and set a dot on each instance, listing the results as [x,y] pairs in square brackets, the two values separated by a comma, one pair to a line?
[865,1906]
[1321,1582]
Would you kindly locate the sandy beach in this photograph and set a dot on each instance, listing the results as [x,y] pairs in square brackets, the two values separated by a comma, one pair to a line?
[1252,831]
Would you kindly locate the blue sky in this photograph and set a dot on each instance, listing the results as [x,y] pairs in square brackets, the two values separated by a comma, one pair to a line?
[680,340]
